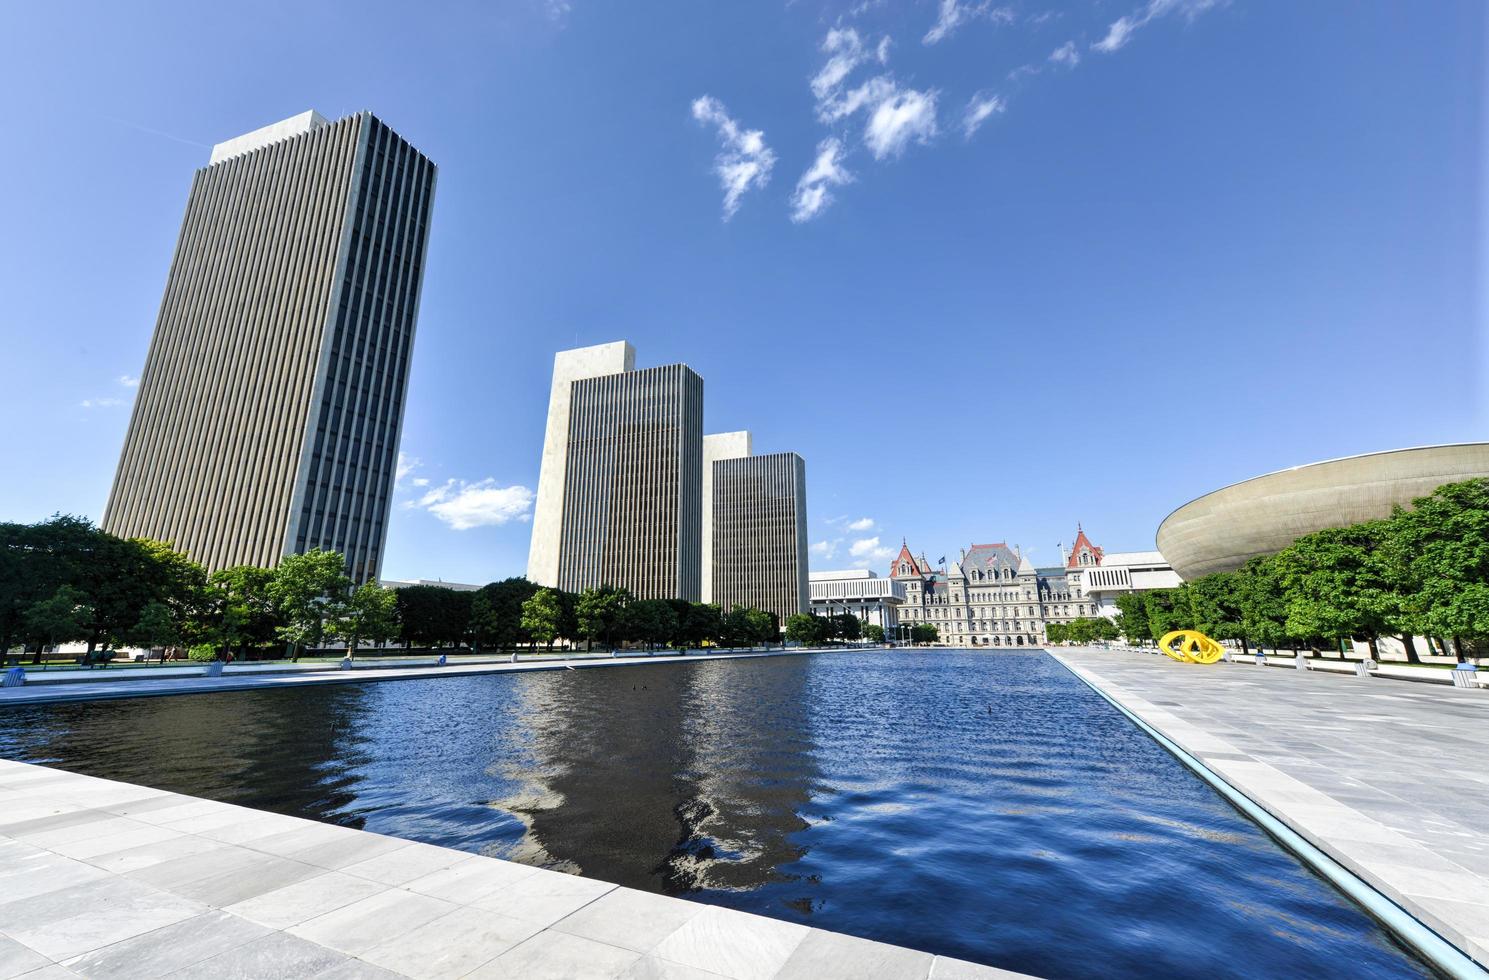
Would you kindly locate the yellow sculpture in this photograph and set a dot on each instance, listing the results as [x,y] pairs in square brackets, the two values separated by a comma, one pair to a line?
[1191,647]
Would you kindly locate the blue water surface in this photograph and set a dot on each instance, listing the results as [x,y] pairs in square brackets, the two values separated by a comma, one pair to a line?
[987,806]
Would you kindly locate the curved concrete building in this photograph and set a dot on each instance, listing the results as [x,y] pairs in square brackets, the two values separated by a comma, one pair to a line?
[1220,531]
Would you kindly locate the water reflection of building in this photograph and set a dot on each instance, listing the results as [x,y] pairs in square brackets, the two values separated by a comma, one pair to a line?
[668,780]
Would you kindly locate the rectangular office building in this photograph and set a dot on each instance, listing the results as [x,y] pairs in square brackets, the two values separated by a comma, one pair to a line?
[632,497]
[759,546]
[268,414]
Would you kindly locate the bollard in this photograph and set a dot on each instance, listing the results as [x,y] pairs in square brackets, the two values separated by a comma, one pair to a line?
[1465,675]
[213,669]
[14,677]
[442,661]
[514,656]
[1261,659]
[1362,669]
[1301,662]
[346,663]
[1230,656]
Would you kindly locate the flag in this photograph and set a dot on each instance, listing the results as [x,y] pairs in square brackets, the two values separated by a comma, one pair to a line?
[942,560]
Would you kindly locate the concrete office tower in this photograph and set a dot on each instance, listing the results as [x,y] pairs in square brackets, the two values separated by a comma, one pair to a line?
[723,445]
[268,413]
[623,457]
[760,534]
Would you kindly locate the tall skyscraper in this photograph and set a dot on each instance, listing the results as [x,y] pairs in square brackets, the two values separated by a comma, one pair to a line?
[721,445]
[620,494]
[268,414]
[759,541]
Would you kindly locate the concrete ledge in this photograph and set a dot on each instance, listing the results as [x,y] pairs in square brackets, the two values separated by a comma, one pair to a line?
[102,878]
[99,685]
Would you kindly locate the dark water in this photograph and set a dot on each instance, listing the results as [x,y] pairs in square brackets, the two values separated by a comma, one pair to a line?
[985,806]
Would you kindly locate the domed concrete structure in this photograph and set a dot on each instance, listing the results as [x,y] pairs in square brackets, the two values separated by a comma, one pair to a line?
[1221,530]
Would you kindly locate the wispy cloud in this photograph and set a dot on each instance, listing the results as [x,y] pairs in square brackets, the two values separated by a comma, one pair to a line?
[862,524]
[406,465]
[129,382]
[105,402]
[1121,30]
[483,503]
[1066,54]
[905,116]
[952,14]
[824,549]
[979,108]
[845,51]
[813,190]
[744,162]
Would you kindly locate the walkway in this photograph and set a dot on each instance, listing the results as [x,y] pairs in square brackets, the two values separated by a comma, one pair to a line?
[140,682]
[1389,779]
[106,879]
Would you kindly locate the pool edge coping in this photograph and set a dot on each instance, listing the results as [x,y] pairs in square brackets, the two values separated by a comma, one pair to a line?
[1439,952]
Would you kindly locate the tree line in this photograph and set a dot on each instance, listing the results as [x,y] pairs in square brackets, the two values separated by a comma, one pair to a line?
[64,580]
[1419,572]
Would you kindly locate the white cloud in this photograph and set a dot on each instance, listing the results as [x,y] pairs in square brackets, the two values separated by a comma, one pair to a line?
[979,108]
[406,465]
[101,403]
[906,115]
[744,162]
[952,14]
[1122,29]
[129,382]
[812,190]
[862,524]
[845,52]
[557,10]
[422,481]
[868,551]
[464,505]
[1066,54]
[824,549]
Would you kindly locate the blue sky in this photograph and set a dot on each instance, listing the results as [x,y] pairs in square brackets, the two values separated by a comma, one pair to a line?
[1204,241]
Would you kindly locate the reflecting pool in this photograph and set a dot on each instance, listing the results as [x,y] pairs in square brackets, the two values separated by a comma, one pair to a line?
[985,806]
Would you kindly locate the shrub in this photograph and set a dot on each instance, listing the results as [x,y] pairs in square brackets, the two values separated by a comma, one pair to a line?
[202,651]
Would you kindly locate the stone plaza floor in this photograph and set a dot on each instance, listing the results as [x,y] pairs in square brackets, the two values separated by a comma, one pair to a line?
[1389,778]
[107,879]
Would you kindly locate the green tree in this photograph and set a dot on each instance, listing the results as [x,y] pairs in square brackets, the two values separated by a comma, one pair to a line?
[308,590]
[1056,632]
[1335,585]
[240,609]
[704,624]
[846,626]
[433,615]
[924,633]
[62,617]
[601,614]
[764,627]
[874,633]
[485,623]
[503,625]
[802,628]
[157,627]
[1439,551]
[542,616]
[1133,610]
[1263,603]
[651,621]
[370,614]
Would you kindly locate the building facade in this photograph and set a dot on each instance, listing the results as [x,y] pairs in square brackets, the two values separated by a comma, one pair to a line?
[630,509]
[721,445]
[858,592]
[1120,573]
[991,596]
[758,553]
[269,410]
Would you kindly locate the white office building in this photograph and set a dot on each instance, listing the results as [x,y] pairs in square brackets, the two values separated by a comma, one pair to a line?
[859,592]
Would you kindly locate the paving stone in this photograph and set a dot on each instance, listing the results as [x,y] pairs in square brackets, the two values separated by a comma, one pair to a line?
[173,947]
[304,900]
[630,919]
[452,945]
[735,944]
[278,955]
[558,956]
[362,925]
[823,955]
[544,897]
[16,959]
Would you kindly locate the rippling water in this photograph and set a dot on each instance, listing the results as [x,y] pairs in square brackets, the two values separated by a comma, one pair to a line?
[986,806]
